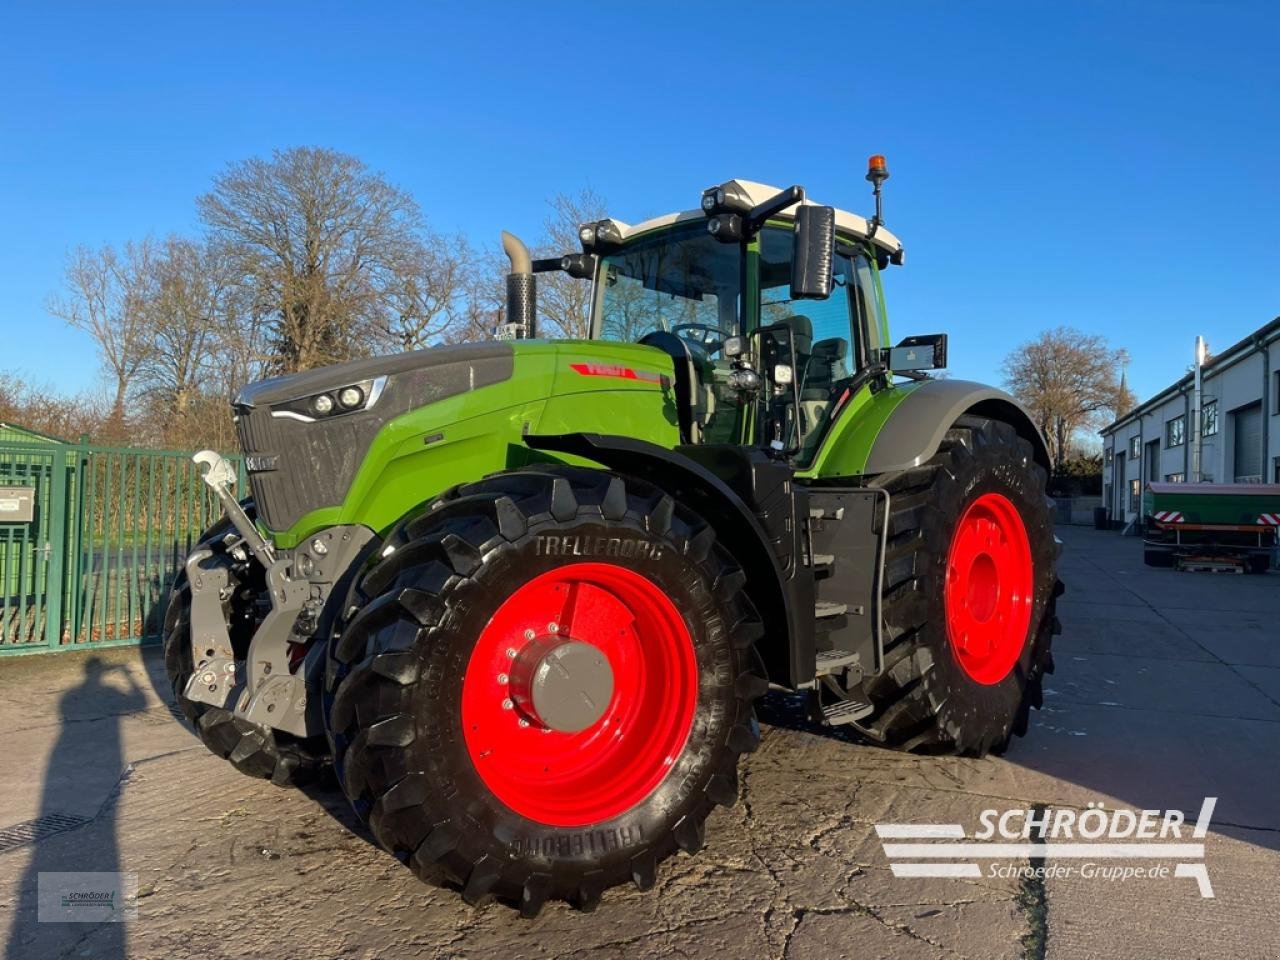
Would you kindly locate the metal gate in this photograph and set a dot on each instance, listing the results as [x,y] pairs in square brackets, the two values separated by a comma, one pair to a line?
[107,533]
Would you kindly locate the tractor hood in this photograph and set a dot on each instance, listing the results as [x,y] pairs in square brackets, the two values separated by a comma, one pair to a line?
[453,370]
[299,458]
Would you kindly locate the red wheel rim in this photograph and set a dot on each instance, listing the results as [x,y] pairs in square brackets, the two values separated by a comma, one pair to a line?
[574,779]
[988,591]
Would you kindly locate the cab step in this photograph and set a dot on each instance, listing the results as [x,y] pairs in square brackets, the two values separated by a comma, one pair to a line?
[829,662]
[824,513]
[823,565]
[846,711]
[824,609]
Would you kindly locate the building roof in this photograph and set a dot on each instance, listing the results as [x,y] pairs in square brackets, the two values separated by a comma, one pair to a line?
[1227,358]
[755,193]
[12,432]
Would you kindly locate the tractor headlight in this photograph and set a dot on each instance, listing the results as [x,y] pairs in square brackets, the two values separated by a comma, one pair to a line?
[607,233]
[601,233]
[351,398]
[726,227]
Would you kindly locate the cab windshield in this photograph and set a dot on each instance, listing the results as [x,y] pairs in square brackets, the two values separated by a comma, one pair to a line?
[680,281]
[679,289]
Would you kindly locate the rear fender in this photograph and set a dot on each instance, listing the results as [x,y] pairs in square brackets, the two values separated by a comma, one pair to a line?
[915,429]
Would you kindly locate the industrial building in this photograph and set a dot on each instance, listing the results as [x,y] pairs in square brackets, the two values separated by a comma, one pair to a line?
[1239,419]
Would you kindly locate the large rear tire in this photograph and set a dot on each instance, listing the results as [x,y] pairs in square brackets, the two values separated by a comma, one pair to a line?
[969,595]
[620,603]
[253,750]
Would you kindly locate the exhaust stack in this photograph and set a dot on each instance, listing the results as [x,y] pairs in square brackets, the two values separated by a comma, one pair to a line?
[522,294]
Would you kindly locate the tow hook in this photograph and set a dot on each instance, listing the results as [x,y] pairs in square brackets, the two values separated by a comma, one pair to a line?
[220,477]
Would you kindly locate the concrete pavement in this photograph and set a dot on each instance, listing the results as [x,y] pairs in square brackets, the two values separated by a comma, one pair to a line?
[1167,691]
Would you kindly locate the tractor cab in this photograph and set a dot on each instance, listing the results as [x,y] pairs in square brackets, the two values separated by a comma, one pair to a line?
[769,306]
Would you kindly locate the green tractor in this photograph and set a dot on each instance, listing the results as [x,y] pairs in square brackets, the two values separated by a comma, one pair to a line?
[522,596]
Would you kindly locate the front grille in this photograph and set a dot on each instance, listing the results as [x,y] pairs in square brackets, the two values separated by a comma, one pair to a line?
[311,464]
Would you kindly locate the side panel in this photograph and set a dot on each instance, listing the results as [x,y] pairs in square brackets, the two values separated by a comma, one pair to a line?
[847,447]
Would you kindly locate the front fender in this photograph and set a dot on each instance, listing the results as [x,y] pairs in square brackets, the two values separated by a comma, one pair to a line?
[787,647]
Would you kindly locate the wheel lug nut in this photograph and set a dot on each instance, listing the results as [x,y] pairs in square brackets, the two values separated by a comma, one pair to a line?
[511,652]
[523,722]
[503,678]
[553,628]
[529,634]
[507,704]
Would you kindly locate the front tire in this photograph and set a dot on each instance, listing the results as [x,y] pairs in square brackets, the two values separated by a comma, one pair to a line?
[969,595]
[614,598]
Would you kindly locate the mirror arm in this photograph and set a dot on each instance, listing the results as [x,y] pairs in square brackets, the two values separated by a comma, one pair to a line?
[760,213]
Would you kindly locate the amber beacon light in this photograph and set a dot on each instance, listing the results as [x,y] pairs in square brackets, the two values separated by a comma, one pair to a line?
[877,169]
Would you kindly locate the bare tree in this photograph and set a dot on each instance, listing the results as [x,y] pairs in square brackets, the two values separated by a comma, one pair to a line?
[108,294]
[326,244]
[1068,380]
[565,303]
[483,298]
[43,408]
[194,285]
[428,292]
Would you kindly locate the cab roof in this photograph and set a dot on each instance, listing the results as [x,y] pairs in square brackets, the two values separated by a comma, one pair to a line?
[753,193]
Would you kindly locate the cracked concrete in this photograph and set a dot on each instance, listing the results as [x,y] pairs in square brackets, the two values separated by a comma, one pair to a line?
[1166,691]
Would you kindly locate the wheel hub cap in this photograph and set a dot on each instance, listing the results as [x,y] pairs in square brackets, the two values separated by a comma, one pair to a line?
[560,684]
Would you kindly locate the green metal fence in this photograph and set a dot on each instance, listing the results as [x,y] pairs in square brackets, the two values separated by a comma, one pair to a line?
[109,531]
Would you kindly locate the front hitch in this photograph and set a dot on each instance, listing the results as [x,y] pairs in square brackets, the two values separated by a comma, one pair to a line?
[265,685]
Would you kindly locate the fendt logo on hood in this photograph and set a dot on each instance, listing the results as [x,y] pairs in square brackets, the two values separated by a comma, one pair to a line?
[619,372]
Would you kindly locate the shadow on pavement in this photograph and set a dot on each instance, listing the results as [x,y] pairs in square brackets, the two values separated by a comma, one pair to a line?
[105,941]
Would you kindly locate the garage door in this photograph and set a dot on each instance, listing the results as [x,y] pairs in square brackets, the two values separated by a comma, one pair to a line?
[1248,440]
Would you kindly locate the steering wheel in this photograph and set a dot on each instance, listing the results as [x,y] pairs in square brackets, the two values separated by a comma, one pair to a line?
[711,339]
[666,339]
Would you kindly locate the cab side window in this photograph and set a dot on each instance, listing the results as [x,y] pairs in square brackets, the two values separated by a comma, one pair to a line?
[826,332]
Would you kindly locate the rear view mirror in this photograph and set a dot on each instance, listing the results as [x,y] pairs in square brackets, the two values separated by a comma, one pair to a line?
[927,352]
[813,247]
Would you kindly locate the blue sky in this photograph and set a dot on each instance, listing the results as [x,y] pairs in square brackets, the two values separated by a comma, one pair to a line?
[1109,166]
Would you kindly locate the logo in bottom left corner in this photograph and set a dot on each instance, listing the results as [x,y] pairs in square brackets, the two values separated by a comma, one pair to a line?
[87,897]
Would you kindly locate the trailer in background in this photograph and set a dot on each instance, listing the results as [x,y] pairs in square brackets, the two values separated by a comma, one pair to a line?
[1227,527]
